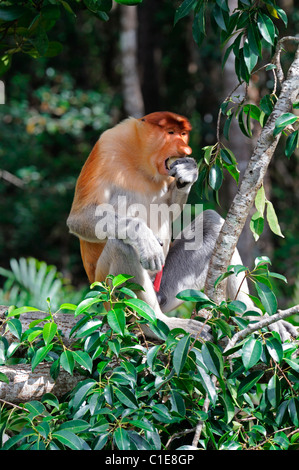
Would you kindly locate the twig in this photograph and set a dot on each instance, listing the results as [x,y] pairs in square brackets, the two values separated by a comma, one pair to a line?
[7,176]
[276,57]
[266,321]
[177,435]
[199,426]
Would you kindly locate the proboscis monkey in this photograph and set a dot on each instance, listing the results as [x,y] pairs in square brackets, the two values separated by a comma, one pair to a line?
[134,183]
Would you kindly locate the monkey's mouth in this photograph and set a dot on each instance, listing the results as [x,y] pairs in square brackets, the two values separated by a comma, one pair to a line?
[169,161]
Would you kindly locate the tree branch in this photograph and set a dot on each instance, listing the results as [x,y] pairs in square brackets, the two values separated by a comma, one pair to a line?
[266,321]
[252,181]
[25,385]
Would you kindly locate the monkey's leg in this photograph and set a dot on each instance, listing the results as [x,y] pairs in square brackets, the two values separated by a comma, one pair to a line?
[120,258]
[187,268]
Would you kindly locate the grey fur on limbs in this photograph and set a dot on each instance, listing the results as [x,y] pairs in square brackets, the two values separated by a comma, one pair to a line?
[184,269]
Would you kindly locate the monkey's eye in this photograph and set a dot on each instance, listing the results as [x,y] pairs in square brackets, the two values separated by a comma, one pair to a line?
[184,133]
[170,132]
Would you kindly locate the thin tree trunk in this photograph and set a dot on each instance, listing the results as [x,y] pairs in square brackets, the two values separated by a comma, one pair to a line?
[250,184]
[133,101]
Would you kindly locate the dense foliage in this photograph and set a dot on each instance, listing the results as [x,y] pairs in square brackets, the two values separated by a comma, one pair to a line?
[145,395]
[135,393]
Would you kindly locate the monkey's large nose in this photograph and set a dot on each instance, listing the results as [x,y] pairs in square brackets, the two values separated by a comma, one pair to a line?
[185,149]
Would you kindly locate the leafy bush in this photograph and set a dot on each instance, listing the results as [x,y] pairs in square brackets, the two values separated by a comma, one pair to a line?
[137,393]
[32,282]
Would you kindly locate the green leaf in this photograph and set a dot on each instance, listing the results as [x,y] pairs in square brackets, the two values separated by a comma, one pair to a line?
[272,219]
[213,359]
[221,17]
[120,279]
[274,348]
[267,104]
[249,382]
[228,406]
[69,439]
[207,384]
[75,425]
[254,39]
[19,311]
[215,177]
[184,10]
[282,413]
[224,327]
[180,354]
[291,143]
[67,306]
[142,308]
[267,297]
[89,327]
[222,277]
[250,57]
[261,260]
[244,123]
[101,441]
[83,359]
[117,320]
[152,355]
[11,13]
[293,408]
[67,361]
[35,408]
[84,305]
[256,225]
[237,306]
[228,156]
[4,378]
[274,391]
[282,440]
[278,276]
[294,365]
[251,352]
[40,40]
[177,402]
[193,295]
[15,327]
[283,121]
[266,28]
[121,439]
[49,331]
[126,397]
[80,391]
[40,355]
[227,125]
[260,200]
[198,26]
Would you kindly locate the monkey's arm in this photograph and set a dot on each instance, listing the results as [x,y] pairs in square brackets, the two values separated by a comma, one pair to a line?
[99,223]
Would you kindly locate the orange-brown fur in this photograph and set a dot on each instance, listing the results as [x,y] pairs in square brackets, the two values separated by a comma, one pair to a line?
[132,156]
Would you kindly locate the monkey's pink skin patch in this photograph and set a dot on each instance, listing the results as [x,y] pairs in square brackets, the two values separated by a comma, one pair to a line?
[158,279]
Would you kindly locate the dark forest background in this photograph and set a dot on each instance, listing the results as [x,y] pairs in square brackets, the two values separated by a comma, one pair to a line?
[56,108]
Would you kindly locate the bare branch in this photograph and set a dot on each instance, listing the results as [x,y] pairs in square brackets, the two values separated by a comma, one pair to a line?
[252,181]
[276,57]
[266,321]
[25,385]
[12,179]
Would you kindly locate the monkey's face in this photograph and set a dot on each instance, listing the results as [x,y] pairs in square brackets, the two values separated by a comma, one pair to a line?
[175,146]
[169,137]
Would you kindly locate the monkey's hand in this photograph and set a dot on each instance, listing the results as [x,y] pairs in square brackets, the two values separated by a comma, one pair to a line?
[148,247]
[185,172]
